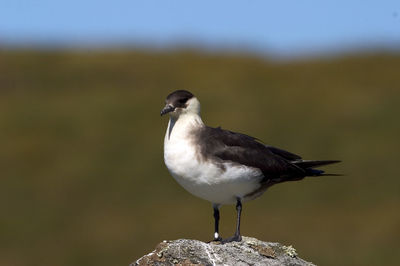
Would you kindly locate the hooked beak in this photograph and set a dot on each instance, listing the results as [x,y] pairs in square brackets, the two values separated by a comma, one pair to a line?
[168,108]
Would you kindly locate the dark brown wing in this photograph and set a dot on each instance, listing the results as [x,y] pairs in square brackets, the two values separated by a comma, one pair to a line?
[243,149]
[285,154]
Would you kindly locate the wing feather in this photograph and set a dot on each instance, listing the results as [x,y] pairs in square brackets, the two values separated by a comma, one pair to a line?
[246,150]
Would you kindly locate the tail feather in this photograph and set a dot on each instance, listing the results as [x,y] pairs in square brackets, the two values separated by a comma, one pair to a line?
[314,172]
[308,165]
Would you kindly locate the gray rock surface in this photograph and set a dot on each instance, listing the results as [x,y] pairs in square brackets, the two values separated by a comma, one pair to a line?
[249,251]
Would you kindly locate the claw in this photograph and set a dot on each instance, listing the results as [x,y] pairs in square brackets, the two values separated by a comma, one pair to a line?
[235,238]
[219,239]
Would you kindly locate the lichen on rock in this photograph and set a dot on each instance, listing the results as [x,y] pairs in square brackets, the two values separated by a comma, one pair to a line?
[250,251]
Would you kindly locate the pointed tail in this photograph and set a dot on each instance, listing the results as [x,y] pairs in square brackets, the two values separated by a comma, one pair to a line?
[308,165]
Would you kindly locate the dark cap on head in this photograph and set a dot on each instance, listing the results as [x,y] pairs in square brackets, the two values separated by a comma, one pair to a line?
[179,95]
[176,99]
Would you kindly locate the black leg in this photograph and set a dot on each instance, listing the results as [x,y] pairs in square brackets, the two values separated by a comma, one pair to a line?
[216,224]
[236,237]
[239,213]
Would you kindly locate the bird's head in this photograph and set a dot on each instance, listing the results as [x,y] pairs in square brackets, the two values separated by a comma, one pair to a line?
[181,102]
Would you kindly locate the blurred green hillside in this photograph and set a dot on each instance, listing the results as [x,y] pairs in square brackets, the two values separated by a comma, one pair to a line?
[83,180]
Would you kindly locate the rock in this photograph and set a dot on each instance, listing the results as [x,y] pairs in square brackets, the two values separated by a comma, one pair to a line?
[249,251]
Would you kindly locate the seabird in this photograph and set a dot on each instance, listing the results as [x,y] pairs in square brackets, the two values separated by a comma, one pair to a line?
[222,166]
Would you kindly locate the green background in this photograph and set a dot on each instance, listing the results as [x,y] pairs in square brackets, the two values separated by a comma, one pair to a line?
[83,180]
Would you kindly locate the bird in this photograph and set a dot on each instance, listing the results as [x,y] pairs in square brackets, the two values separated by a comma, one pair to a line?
[222,166]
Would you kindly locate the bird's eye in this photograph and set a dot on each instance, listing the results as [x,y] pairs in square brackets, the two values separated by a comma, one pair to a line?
[183,100]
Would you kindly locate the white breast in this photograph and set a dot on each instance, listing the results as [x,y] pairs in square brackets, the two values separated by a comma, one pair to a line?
[203,178]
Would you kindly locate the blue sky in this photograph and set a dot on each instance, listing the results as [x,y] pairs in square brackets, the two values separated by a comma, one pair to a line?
[284,26]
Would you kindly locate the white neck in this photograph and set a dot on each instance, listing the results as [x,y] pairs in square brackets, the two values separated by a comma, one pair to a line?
[184,120]
[181,126]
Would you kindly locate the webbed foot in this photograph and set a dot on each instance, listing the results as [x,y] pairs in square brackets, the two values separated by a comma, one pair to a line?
[216,239]
[235,238]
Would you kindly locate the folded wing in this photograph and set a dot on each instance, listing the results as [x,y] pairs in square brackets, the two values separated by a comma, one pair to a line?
[276,164]
[246,150]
